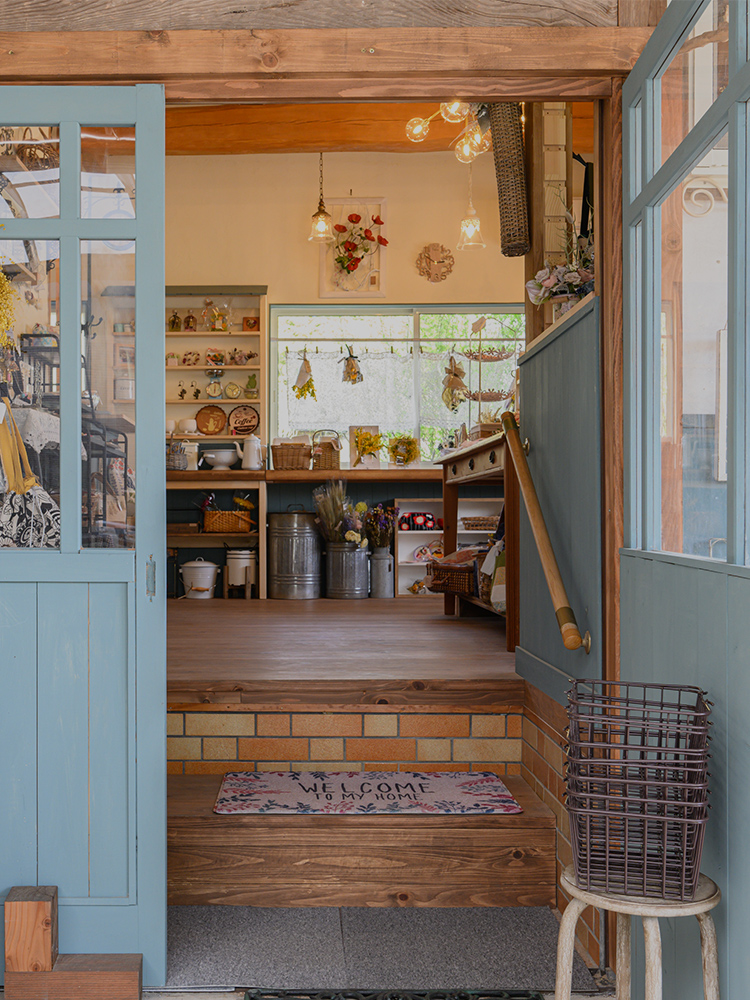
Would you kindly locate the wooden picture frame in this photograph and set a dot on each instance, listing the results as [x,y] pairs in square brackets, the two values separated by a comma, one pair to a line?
[368,281]
[124,356]
[250,324]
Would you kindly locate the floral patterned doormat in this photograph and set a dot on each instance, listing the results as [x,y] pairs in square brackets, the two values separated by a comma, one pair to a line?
[394,995]
[364,792]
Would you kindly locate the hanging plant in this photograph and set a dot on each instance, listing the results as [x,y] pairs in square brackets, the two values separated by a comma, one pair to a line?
[304,386]
[352,372]
[355,241]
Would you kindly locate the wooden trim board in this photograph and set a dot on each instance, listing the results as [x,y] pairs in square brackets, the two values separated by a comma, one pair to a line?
[80,977]
[368,860]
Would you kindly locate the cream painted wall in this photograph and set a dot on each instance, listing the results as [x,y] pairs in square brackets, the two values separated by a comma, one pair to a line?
[245,220]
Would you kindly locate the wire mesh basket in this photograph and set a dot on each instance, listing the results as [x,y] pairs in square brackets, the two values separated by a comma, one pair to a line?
[510,172]
[637,786]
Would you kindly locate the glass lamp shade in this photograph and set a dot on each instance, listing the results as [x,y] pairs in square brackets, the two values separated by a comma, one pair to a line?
[417,129]
[482,142]
[465,151]
[322,226]
[471,233]
[454,111]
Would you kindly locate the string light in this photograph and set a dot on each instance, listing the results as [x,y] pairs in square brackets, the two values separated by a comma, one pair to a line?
[471,233]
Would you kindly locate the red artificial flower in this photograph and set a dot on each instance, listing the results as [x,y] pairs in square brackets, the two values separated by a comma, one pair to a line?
[353,264]
[354,218]
[368,234]
[382,241]
[348,245]
[340,229]
[377,221]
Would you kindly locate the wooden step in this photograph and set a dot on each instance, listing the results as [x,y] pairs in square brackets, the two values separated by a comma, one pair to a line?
[80,977]
[373,860]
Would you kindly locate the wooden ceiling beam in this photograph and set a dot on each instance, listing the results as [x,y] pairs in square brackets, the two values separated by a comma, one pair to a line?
[336,64]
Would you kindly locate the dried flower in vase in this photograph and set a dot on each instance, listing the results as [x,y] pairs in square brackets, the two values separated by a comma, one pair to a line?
[366,444]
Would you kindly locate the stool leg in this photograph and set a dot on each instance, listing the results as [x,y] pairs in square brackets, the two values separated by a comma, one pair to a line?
[565,945]
[709,956]
[623,956]
[652,941]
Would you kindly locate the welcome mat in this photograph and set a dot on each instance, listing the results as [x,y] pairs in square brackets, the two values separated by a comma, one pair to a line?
[364,792]
[393,995]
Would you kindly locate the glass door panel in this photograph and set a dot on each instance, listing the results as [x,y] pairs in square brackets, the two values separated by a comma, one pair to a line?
[107,172]
[29,172]
[108,393]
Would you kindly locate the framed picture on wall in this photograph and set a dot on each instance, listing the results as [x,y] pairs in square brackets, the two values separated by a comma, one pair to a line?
[124,356]
[354,266]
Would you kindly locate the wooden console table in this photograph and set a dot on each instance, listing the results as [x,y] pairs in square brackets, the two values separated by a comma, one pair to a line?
[484,461]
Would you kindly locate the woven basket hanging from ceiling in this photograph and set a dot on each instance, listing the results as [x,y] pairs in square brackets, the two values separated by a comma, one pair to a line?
[507,145]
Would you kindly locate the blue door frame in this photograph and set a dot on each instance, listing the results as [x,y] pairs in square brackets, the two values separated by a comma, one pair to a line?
[82,630]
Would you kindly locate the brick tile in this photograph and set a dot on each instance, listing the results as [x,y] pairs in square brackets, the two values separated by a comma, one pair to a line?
[433,749]
[381,749]
[488,725]
[273,765]
[220,748]
[271,748]
[322,765]
[175,724]
[493,768]
[497,750]
[553,754]
[432,766]
[589,916]
[381,725]
[435,725]
[564,851]
[274,724]
[513,769]
[377,765]
[174,767]
[529,731]
[515,726]
[217,766]
[326,724]
[183,748]
[219,724]
[327,749]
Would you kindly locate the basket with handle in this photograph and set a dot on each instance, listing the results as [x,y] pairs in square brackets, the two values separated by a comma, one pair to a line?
[176,457]
[326,450]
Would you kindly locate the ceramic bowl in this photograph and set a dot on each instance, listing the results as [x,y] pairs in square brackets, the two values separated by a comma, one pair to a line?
[171,425]
[188,425]
[220,458]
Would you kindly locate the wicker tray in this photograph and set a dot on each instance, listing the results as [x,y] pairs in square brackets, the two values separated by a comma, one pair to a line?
[481,523]
[448,579]
[227,520]
[291,456]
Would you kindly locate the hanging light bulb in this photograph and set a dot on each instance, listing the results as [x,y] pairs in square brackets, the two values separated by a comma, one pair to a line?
[465,151]
[417,129]
[454,111]
[322,225]
[471,233]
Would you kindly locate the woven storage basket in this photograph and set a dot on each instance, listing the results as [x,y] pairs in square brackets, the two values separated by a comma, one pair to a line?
[489,523]
[637,787]
[325,453]
[448,579]
[510,172]
[485,587]
[227,520]
[291,456]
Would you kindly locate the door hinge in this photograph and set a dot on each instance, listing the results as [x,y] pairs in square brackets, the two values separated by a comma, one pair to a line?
[151,578]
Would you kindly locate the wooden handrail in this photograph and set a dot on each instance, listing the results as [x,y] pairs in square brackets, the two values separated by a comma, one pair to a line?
[566,619]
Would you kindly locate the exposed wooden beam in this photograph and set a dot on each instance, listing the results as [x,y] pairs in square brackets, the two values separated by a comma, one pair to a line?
[144,15]
[341,64]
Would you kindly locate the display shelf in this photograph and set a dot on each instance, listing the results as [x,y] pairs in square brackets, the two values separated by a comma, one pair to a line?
[211,368]
[212,333]
[205,401]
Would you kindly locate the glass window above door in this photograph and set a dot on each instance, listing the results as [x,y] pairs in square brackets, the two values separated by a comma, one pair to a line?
[29,172]
[107,172]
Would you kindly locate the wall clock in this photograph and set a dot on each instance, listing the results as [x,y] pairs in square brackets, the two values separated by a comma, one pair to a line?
[435,262]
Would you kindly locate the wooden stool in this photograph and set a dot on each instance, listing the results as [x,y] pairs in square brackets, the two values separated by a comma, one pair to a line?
[707,897]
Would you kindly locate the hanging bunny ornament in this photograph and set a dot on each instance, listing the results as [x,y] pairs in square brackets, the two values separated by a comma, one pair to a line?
[454,392]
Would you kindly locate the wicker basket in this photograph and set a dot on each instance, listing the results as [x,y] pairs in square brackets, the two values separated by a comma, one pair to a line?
[485,588]
[510,172]
[447,579]
[227,520]
[291,456]
[637,787]
[325,453]
[488,523]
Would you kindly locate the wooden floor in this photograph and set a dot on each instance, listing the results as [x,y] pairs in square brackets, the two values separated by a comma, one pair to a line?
[369,651]
[349,860]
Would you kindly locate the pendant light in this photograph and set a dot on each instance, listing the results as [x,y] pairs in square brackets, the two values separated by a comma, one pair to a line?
[471,233]
[322,226]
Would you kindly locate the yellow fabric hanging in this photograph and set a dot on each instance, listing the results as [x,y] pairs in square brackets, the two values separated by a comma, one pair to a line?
[15,460]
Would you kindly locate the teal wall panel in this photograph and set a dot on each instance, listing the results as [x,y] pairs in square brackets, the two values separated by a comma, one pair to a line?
[685,625]
[560,403]
[63,704]
[109,740]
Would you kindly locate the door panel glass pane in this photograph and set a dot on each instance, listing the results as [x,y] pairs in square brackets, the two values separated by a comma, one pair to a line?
[29,394]
[107,172]
[29,172]
[694,256]
[696,76]
[108,393]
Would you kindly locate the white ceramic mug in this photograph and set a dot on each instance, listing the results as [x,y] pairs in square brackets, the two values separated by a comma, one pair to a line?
[171,425]
[188,425]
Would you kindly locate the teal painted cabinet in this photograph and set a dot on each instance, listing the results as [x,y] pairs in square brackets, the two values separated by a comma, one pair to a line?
[82,608]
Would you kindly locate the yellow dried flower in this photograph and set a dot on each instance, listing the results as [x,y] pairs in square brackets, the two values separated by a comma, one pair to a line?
[8,296]
[366,444]
[306,389]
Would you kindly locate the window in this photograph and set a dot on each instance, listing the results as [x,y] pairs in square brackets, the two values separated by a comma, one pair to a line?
[402,353]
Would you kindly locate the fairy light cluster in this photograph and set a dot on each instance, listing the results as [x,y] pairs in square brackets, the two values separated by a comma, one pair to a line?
[471,141]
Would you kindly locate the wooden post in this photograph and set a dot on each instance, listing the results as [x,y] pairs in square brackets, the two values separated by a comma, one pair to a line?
[31,928]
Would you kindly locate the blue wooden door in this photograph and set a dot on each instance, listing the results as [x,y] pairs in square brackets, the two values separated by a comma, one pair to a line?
[560,415]
[82,610]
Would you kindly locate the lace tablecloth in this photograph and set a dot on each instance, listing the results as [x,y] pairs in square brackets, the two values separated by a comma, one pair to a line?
[39,429]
